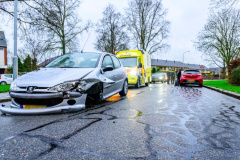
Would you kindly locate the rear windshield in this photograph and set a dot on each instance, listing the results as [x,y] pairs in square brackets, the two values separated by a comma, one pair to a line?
[129,62]
[191,72]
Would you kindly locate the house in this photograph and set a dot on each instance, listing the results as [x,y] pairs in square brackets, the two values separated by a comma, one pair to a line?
[164,64]
[3,53]
[215,71]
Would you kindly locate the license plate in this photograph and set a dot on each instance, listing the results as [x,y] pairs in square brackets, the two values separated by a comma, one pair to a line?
[191,80]
[33,106]
[155,79]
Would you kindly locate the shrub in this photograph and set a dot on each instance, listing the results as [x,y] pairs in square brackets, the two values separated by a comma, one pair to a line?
[231,66]
[153,70]
[235,76]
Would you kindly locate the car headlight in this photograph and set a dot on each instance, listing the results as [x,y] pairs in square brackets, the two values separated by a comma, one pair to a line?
[160,77]
[14,86]
[67,86]
[133,72]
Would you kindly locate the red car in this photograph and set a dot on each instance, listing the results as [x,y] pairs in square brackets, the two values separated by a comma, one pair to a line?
[191,77]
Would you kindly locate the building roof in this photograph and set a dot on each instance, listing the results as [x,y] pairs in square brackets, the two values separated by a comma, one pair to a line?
[3,42]
[168,63]
[216,69]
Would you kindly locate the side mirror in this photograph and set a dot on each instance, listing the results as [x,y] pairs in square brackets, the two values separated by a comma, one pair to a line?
[139,65]
[108,68]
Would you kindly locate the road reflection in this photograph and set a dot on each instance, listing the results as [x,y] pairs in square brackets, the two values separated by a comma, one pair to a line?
[117,97]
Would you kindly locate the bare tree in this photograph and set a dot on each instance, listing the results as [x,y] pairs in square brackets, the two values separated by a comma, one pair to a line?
[146,21]
[224,3]
[57,20]
[111,35]
[220,38]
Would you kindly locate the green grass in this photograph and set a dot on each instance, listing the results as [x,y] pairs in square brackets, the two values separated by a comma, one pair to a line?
[4,88]
[222,84]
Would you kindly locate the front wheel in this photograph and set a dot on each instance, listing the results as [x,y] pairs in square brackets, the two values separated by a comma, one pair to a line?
[200,85]
[124,90]
[146,84]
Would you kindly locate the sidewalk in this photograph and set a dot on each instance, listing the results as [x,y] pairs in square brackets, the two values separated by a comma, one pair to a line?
[4,97]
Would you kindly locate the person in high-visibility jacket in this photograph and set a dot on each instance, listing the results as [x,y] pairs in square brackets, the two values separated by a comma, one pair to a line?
[172,74]
[168,75]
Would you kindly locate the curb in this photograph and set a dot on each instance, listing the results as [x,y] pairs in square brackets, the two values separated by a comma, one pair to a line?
[229,93]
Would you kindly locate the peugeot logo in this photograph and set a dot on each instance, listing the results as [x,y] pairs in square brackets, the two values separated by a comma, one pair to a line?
[191,75]
[30,89]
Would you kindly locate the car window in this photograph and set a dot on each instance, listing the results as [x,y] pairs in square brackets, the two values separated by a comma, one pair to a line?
[191,72]
[8,76]
[116,62]
[107,61]
[75,60]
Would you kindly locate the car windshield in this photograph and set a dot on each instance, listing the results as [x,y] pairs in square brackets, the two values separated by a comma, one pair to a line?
[129,62]
[158,74]
[191,72]
[75,60]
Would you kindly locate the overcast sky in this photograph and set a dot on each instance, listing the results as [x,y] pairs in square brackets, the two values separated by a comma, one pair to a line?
[187,18]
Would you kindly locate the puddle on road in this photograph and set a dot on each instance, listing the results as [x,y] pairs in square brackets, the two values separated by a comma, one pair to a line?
[117,97]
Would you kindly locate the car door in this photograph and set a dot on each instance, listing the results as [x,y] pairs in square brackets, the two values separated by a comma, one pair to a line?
[108,88]
[119,73]
[9,78]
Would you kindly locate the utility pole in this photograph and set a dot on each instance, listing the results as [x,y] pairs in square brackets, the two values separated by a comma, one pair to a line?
[15,58]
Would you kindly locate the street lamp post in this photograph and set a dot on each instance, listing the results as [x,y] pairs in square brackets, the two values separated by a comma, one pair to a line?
[183,58]
[15,58]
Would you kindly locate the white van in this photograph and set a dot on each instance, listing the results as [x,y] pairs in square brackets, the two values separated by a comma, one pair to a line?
[6,79]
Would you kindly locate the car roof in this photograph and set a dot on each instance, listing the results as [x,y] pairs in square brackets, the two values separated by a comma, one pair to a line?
[192,70]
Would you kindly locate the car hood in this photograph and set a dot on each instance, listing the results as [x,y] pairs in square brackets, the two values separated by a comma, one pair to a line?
[49,77]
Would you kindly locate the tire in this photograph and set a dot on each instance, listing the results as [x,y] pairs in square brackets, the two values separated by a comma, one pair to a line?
[153,81]
[93,99]
[181,84]
[200,85]
[124,90]
[138,83]
[3,83]
[146,84]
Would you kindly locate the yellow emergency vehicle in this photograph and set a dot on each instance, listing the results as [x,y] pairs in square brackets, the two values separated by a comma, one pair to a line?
[138,66]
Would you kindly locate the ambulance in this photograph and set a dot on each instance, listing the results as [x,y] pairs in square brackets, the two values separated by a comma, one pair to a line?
[138,66]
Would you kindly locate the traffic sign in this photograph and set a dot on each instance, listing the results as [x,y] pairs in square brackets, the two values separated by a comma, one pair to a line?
[202,66]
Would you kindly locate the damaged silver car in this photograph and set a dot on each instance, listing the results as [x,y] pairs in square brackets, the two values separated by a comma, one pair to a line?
[67,83]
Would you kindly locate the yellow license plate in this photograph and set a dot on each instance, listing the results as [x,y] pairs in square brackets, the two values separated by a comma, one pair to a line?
[155,79]
[191,80]
[33,106]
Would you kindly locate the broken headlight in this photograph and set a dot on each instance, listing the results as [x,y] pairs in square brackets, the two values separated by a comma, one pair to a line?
[66,86]
[14,86]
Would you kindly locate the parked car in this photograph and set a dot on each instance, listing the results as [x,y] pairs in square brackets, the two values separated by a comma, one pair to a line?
[159,77]
[191,77]
[6,79]
[66,83]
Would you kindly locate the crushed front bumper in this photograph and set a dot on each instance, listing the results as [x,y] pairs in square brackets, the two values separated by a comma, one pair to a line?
[61,107]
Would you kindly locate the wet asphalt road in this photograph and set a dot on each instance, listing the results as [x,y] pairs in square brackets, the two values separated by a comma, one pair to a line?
[156,122]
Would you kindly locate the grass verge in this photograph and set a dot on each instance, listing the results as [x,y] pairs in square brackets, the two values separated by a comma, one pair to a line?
[222,84]
[4,88]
